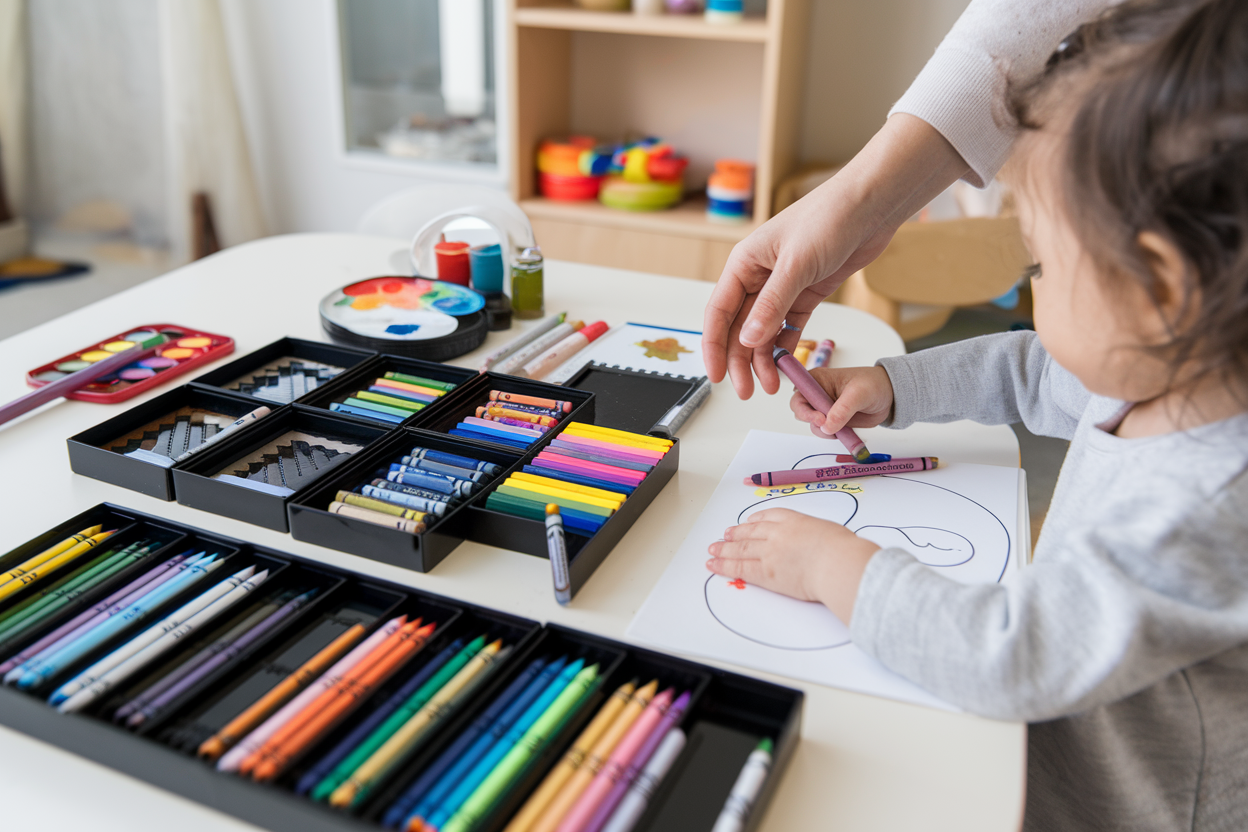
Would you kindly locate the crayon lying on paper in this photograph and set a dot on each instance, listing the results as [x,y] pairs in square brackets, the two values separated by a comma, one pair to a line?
[844,472]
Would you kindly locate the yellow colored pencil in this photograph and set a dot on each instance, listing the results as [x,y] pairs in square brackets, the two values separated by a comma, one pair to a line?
[597,757]
[402,740]
[587,490]
[618,436]
[47,554]
[49,566]
[572,760]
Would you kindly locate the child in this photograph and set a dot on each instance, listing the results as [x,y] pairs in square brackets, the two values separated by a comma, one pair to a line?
[1125,643]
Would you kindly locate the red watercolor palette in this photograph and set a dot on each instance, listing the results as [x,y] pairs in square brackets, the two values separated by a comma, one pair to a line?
[188,349]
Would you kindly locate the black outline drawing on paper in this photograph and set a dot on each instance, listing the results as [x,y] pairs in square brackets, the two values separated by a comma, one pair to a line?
[837,633]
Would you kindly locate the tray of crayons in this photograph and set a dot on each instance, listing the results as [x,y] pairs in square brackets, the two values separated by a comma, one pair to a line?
[187,349]
[363,704]
[391,389]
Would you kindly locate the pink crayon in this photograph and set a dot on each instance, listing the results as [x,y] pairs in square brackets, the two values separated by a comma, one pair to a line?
[844,472]
[595,443]
[638,762]
[595,467]
[584,809]
[818,398]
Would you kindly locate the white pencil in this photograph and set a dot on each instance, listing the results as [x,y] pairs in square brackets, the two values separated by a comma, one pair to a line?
[252,742]
[162,645]
[148,636]
[245,419]
[537,347]
[534,332]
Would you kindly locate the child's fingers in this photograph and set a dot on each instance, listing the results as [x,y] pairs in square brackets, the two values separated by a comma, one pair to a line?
[751,571]
[854,399]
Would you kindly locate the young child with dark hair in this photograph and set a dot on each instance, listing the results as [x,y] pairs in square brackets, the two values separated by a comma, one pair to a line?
[1125,642]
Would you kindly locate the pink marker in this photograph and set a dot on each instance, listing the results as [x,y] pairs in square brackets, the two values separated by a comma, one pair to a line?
[818,398]
[587,804]
[822,354]
[844,472]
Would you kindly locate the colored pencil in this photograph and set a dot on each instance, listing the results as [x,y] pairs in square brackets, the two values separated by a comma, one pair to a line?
[212,748]
[572,759]
[534,741]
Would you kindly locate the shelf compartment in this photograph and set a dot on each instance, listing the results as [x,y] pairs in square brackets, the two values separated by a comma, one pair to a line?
[751,30]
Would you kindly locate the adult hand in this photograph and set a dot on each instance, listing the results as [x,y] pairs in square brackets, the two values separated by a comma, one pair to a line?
[795,260]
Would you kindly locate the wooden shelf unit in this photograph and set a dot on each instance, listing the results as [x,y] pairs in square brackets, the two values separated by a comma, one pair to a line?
[553,48]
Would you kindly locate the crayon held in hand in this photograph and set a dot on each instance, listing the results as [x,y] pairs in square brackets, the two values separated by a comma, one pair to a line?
[818,398]
[844,472]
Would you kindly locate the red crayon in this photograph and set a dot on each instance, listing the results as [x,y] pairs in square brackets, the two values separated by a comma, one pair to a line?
[844,472]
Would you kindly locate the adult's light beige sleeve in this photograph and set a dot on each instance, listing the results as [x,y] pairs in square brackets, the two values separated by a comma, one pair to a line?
[961,90]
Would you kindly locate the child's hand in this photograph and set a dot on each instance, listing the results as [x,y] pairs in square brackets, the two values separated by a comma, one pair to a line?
[796,555]
[862,396]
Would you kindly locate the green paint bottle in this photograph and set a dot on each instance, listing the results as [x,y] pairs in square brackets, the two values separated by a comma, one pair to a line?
[527,296]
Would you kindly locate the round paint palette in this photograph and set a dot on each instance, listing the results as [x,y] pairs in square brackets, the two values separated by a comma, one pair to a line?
[186,349]
[413,316]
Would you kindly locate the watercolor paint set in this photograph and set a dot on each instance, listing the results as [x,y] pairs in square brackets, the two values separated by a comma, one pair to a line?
[458,716]
[186,350]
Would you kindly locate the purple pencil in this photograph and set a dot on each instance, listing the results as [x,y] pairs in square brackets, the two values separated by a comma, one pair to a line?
[171,678]
[242,643]
[603,452]
[603,813]
[144,581]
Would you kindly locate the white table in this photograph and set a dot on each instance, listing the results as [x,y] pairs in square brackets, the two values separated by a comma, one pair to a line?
[862,763]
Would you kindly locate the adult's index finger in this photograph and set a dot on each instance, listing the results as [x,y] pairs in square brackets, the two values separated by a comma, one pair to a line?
[721,310]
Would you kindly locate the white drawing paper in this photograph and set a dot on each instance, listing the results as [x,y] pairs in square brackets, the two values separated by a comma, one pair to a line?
[961,520]
[654,349]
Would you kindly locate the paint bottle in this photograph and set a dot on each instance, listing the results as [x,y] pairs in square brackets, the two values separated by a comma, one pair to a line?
[487,269]
[527,298]
[452,259]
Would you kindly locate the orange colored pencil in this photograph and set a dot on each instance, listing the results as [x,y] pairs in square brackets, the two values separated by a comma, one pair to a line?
[241,725]
[351,692]
[297,721]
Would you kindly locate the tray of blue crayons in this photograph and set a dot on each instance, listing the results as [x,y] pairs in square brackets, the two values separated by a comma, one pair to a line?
[305,698]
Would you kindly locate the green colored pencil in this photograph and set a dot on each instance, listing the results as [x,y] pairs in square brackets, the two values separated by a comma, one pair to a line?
[413,704]
[498,781]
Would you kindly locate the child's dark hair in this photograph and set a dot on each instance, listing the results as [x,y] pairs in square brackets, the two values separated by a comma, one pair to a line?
[1159,142]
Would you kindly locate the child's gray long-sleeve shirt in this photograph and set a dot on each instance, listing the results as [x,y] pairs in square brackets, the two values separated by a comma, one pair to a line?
[1126,640]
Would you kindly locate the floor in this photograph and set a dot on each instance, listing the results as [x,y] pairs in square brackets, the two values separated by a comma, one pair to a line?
[1042,455]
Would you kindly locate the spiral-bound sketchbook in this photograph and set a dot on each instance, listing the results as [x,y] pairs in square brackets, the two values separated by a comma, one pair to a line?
[652,349]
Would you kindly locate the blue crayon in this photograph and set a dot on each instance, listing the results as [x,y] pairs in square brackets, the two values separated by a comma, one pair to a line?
[469,476]
[398,498]
[451,803]
[41,670]
[568,449]
[491,468]
[412,491]
[438,779]
[442,468]
[489,437]
[327,763]
[402,394]
[431,481]
[877,458]
[579,480]
[370,414]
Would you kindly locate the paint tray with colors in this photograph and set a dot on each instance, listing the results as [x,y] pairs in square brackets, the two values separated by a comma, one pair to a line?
[187,349]
[364,704]
[138,448]
[390,389]
[402,499]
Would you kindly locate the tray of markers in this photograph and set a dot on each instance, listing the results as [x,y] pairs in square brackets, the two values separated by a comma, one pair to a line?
[206,665]
[187,349]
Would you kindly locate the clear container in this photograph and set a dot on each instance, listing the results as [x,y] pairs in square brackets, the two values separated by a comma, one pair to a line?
[527,292]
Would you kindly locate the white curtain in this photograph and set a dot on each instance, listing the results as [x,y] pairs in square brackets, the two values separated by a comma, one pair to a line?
[13,119]
[206,145]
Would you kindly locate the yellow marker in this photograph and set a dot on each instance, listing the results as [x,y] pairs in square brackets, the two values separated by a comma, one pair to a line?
[402,740]
[803,351]
[50,566]
[588,490]
[551,491]
[572,759]
[353,499]
[47,554]
[621,436]
[595,760]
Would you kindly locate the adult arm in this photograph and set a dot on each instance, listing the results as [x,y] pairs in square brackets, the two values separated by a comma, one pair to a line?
[951,123]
